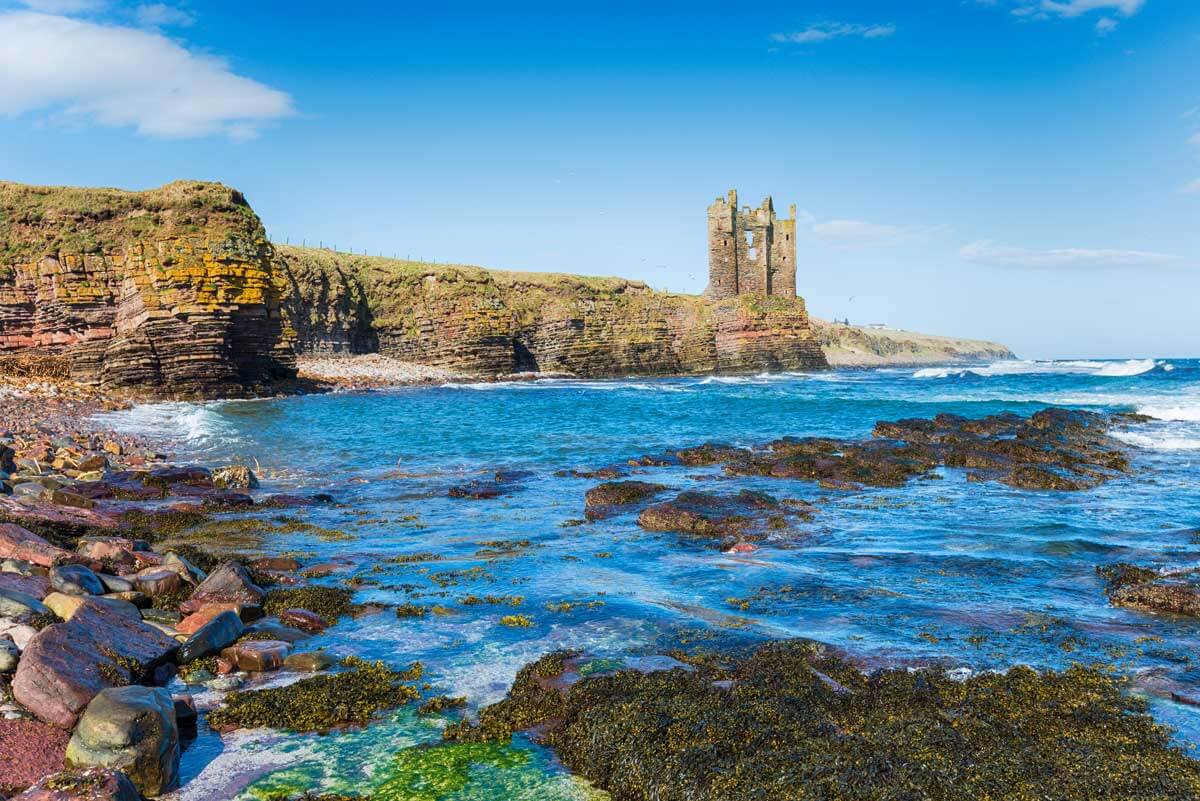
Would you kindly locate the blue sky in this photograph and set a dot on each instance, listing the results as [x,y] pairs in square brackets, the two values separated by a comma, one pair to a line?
[1022,170]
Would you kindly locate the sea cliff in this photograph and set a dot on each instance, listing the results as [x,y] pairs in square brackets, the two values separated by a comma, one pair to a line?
[172,291]
[493,322]
[177,292]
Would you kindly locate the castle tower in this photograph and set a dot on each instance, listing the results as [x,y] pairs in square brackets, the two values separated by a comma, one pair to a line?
[750,252]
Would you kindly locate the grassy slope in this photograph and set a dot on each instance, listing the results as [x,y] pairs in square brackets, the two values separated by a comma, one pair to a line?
[854,346]
[36,220]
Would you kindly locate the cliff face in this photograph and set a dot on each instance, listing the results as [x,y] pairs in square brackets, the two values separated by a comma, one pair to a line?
[169,292]
[493,322]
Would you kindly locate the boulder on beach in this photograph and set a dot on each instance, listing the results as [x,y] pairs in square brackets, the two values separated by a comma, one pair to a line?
[220,632]
[66,664]
[132,729]
[20,543]
[76,580]
[20,607]
[229,582]
[236,476]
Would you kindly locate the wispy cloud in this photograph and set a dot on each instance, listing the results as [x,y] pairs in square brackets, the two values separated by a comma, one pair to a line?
[161,15]
[1193,188]
[986,252]
[1057,9]
[824,31]
[119,76]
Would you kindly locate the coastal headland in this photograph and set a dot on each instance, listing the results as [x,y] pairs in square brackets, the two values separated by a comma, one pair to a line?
[177,292]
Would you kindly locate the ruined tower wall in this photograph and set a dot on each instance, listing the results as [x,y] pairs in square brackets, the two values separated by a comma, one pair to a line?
[750,252]
[783,257]
[723,248]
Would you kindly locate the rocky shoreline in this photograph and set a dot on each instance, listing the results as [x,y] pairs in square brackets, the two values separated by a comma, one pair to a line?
[101,610]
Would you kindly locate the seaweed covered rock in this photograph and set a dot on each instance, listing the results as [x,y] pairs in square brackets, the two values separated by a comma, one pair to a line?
[1054,449]
[722,520]
[795,722]
[320,703]
[329,603]
[1141,588]
[91,784]
[132,729]
[612,497]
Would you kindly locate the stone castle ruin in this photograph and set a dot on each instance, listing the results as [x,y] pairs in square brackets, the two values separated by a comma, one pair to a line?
[750,252]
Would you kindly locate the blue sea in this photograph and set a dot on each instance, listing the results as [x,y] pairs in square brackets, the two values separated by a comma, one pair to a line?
[974,576]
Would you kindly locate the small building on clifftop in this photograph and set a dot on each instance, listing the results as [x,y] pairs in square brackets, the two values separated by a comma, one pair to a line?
[750,252]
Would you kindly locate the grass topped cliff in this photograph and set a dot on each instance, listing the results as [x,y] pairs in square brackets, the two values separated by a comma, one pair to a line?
[495,322]
[39,220]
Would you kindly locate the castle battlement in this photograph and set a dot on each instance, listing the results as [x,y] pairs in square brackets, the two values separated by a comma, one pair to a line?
[750,251]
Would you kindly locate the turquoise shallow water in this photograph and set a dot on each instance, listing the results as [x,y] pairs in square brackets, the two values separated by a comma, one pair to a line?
[979,575]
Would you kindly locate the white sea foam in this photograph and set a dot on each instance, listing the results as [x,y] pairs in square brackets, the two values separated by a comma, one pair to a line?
[1103,369]
[1189,413]
[1166,440]
[195,423]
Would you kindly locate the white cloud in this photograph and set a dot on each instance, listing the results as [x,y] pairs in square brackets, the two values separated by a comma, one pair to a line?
[858,234]
[126,77]
[824,31]
[161,15]
[986,252]
[1076,8]
[64,6]
[1106,25]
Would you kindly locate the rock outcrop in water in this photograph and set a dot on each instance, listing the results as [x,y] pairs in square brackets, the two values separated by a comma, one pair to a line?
[173,291]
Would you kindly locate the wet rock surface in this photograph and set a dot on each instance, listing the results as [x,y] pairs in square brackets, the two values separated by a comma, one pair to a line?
[613,497]
[721,520]
[131,729]
[1176,593]
[1053,449]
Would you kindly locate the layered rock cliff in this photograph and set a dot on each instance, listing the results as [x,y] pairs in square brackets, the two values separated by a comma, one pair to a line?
[494,322]
[170,292]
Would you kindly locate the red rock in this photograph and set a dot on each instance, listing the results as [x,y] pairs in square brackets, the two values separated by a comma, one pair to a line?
[61,515]
[276,563]
[324,569]
[304,620]
[257,655]
[743,547]
[29,750]
[114,549]
[93,784]
[65,665]
[228,583]
[143,559]
[195,621]
[156,581]
[18,543]
[37,586]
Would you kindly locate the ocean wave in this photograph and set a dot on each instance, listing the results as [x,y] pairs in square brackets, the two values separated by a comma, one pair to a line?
[1104,369]
[194,423]
[1186,414]
[1162,441]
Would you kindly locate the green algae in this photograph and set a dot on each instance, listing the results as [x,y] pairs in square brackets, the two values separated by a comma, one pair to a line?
[516,621]
[795,722]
